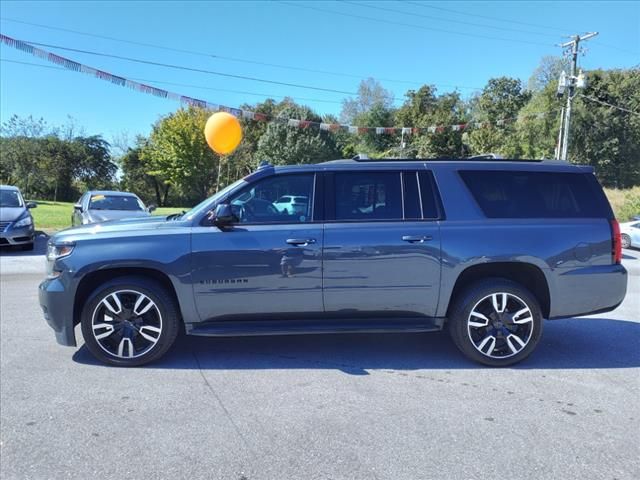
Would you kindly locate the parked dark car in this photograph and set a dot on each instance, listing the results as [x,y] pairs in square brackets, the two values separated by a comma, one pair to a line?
[16,222]
[486,248]
[103,205]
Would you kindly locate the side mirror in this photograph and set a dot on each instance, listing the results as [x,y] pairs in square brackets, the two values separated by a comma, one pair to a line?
[31,205]
[77,207]
[151,208]
[223,216]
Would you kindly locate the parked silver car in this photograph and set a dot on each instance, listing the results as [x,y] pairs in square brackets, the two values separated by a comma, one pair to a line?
[102,205]
[16,222]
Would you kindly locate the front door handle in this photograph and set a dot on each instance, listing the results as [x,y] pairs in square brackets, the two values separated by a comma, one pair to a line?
[301,242]
[417,238]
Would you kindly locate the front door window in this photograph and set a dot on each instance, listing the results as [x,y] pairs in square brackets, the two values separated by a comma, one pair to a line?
[279,199]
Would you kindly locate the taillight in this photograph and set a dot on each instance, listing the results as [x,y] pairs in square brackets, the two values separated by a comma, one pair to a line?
[616,242]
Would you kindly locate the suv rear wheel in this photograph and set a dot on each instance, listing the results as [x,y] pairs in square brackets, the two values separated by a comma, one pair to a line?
[129,321]
[496,322]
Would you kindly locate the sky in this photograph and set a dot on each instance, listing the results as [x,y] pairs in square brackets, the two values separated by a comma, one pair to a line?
[329,45]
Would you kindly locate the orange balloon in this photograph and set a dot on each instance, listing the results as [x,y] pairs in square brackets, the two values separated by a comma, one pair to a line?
[223,132]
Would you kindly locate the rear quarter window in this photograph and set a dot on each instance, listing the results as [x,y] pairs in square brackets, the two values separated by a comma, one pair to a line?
[522,194]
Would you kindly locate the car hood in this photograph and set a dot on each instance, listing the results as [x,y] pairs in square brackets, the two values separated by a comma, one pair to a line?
[120,228]
[9,214]
[97,216]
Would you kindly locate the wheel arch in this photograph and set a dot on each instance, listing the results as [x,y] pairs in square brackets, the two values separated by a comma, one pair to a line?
[526,274]
[93,279]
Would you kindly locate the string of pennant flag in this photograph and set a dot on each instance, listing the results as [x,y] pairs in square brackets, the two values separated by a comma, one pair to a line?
[247,114]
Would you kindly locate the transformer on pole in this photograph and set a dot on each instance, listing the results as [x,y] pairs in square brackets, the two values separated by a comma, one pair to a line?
[567,84]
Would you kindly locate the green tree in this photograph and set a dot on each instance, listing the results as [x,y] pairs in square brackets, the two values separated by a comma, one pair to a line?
[136,177]
[606,137]
[37,159]
[499,104]
[370,94]
[285,145]
[536,132]
[423,109]
[177,152]
[547,71]
[371,142]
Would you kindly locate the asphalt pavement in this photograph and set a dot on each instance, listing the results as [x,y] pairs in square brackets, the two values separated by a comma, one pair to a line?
[384,406]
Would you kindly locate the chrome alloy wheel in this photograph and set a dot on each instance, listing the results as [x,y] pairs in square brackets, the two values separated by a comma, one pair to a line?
[500,325]
[126,324]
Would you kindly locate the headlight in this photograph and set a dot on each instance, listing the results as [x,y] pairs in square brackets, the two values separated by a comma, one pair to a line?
[54,252]
[25,222]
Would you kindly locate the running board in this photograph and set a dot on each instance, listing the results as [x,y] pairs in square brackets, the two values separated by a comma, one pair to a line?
[233,328]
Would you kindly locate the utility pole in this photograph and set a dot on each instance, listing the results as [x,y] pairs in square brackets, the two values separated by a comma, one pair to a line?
[567,86]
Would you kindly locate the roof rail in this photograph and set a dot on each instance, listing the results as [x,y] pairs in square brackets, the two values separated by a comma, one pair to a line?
[487,157]
[360,157]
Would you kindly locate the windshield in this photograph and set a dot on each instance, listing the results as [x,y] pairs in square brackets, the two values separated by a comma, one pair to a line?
[206,204]
[10,198]
[115,202]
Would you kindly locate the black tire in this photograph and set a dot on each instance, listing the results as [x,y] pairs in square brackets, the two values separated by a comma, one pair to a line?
[163,316]
[27,247]
[497,337]
[625,240]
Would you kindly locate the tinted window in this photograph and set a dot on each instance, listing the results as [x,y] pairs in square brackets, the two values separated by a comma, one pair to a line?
[412,210]
[515,194]
[368,196]
[428,195]
[262,202]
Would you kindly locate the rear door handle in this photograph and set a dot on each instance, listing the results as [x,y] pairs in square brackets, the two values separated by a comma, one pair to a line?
[301,242]
[417,238]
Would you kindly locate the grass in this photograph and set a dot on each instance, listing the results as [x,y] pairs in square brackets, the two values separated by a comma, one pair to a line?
[53,216]
[625,203]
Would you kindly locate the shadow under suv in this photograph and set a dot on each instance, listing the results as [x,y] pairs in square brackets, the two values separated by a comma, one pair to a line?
[485,248]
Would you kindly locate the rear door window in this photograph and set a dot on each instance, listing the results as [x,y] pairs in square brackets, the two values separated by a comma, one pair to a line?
[368,196]
[521,194]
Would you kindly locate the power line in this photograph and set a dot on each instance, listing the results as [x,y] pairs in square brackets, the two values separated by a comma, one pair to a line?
[268,95]
[609,105]
[462,22]
[149,90]
[487,17]
[190,69]
[496,19]
[412,25]
[222,57]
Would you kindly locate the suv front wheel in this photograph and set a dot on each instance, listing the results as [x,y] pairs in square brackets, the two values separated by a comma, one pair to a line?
[496,322]
[129,321]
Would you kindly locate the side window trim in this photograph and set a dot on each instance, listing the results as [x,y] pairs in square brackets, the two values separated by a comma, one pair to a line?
[404,213]
[420,195]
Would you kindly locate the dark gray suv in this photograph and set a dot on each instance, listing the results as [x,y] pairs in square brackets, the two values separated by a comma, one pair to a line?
[487,249]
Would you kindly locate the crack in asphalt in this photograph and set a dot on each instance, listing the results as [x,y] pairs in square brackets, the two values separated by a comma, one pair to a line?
[224,409]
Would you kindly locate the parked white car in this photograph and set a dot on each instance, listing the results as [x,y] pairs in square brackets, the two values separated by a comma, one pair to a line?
[630,234]
[292,204]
